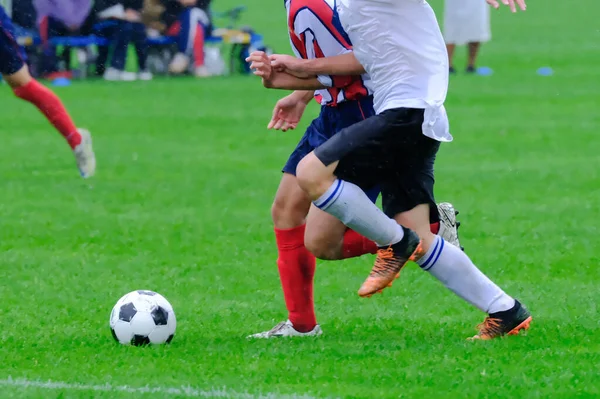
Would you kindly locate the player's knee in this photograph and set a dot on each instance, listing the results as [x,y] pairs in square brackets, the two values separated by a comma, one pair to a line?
[287,213]
[311,176]
[322,249]
[19,78]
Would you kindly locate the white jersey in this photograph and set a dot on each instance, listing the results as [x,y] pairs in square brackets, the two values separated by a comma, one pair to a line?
[400,44]
[316,32]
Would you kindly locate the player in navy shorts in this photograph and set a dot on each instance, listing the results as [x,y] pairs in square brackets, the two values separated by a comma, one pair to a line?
[14,70]
[303,231]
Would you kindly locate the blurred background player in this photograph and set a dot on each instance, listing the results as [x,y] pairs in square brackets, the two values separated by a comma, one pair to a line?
[122,25]
[303,231]
[61,18]
[466,22]
[189,22]
[16,73]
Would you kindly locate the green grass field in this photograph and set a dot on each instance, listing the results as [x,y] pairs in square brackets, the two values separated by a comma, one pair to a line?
[181,205]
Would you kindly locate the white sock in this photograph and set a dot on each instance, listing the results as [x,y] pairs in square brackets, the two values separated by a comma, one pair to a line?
[453,268]
[348,203]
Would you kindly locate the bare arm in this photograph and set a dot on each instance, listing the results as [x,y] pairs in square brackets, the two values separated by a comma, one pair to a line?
[339,65]
[285,81]
[305,95]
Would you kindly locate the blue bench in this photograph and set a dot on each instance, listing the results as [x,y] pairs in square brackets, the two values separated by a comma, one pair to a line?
[237,39]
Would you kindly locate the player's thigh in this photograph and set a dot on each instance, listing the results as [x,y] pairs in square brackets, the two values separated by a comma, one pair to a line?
[324,234]
[291,203]
[357,151]
[11,57]
[19,78]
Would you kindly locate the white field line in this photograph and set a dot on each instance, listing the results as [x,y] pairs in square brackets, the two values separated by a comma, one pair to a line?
[184,391]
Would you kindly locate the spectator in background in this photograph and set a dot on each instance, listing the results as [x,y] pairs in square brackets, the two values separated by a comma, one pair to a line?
[61,18]
[123,26]
[189,22]
[23,13]
[466,22]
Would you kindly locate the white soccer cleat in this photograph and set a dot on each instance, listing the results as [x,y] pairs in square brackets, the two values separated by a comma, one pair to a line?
[286,329]
[179,64]
[84,155]
[448,225]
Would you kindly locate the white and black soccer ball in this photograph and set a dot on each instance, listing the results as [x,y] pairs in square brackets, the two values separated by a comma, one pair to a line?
[141,318]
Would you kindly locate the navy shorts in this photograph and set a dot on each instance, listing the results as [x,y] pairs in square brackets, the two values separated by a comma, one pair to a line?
[330,121]
[12,56]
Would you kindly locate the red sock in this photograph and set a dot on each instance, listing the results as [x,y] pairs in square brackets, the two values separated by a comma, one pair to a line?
[199,46]
[296,270]
[357,245]
[51,106]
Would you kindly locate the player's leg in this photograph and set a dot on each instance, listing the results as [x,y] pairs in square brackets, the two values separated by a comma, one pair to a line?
[80,140]
[16,74]
[296,265]
[328,238]
[455,270]
[409,196]
[361,153]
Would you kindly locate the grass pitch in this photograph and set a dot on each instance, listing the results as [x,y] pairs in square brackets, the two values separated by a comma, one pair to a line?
[187,172]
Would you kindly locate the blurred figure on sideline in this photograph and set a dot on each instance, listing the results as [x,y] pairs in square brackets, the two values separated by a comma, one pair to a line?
[189,22]
[61,18]
[123,26]
[466,22]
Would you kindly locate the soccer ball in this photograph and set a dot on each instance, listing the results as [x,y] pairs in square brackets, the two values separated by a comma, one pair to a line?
[141,318]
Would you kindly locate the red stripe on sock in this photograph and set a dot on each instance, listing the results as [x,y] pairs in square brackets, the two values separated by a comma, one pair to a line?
[52,108]
[356,245]
[199,46]
[435,227]
[296,270]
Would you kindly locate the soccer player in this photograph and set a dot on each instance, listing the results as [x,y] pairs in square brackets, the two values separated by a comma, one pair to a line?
[315,32]
[400,45]
[15,72]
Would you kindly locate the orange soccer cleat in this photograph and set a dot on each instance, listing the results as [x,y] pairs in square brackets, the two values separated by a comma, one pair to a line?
[389,262]
[509,322]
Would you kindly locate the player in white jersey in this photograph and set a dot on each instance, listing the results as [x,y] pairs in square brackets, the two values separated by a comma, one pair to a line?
[400,45]
[315,33]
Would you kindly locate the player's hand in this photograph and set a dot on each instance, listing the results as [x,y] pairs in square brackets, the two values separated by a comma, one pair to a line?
[187,3]
[260,64]
[510,3]
[287,113]
[288,64]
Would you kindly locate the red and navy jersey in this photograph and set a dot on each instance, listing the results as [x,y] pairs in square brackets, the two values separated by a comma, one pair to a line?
[316,32]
